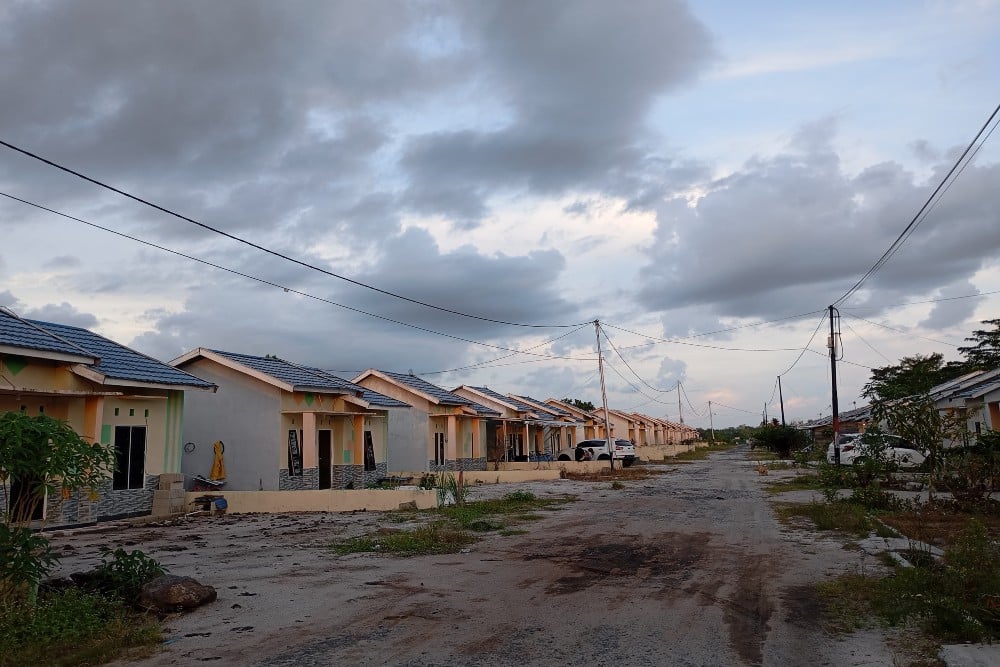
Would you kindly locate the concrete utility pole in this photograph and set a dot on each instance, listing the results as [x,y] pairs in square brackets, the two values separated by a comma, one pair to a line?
[711,422]
[680,417]
[781,399]
[832,344]
[604,397]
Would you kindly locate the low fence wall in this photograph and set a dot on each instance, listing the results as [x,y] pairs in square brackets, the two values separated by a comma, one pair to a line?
[558,466]
[241,502]
[530,472]
[658,452]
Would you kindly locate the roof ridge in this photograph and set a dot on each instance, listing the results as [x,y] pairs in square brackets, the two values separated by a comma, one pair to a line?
[35,324]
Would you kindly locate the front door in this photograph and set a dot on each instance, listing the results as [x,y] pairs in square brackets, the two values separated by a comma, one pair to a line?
[325,458]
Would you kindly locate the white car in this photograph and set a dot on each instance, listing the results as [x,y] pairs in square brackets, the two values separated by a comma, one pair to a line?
[598,449]
[856,449]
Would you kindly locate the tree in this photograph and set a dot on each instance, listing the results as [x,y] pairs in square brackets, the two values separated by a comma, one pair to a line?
[39,456]
[912,376]
[780,439]
[985,353]
[577,403]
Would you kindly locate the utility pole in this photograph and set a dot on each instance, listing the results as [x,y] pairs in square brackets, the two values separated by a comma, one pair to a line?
[680,416]
[764,412]
[832,344]
[604,397]
[782,400]
[711,422]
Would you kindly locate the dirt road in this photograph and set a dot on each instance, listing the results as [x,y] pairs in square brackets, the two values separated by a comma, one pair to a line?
[685,568]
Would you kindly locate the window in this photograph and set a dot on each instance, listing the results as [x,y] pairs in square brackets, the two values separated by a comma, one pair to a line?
[439,449]
[130,457]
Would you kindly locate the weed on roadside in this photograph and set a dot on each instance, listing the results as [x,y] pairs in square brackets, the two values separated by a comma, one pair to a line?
[806,482]
[843,516]
[73,627]
[452,527]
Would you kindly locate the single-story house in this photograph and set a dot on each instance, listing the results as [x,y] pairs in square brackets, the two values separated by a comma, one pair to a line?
[107,393]
[560,426]
[523,428]
[974,397]
[442,430]
[592,426]
[284,426]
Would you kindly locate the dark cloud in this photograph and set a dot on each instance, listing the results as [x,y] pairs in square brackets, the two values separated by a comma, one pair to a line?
[577,81]
[791,233]
[951,311]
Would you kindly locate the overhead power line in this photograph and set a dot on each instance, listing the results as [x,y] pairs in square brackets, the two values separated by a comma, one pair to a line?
[290,290]
[627,365]
[679,341]
[921,214]
[276,253]
[803,350]
[916,303]
[902,331]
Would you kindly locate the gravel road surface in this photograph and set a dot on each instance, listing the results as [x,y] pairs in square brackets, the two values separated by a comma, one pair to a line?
[689,567]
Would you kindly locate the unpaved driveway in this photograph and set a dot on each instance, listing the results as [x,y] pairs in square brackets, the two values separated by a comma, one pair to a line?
[685,568]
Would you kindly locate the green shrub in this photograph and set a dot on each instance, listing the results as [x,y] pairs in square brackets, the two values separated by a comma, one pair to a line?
[122,574]
[71,627]
[25,559]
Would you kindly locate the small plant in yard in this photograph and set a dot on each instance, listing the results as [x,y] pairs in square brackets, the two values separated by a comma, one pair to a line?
[122,574]
[617,486]
[842,516]
[72,627]
[957,599]
[450,531]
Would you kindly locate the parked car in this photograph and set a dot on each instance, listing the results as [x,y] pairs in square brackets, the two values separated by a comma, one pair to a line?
[856,449]
[599,449]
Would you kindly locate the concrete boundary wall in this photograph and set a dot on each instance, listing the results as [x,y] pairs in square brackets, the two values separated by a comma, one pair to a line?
[530,473]
[270,502]
[559,466]
[657,452]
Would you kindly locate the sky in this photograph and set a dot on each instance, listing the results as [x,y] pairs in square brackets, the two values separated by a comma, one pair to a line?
[702,178]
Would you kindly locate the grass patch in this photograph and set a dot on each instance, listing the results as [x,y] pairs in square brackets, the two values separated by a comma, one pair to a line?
[939,525]
[840,516]
[72,627]
[433,538]
[847,602]
[633,474]
[807,482]
[700,453]
[453,527]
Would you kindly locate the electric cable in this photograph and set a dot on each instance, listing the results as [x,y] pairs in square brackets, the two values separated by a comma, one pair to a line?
[915,303]
[627,365]
[629,383]
[290,290]
[723,405]
[688,401]
[902,331]
[711,347]
[803,350]
[872,347]
[920,215]
[276,253]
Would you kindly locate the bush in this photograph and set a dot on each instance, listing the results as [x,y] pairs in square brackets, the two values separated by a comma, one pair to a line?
[25,559]
[781,440]
[122,574]
[71,627]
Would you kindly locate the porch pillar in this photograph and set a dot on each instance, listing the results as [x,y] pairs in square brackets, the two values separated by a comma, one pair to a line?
[310,454]
[528,446]
[476,446]
[451,444]
[93,416]
[358,445]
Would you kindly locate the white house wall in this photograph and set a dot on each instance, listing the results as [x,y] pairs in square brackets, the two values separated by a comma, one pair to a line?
[244,414]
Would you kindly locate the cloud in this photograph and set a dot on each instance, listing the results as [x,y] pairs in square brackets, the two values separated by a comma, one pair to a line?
[791,233]
[952,312]
[577,82]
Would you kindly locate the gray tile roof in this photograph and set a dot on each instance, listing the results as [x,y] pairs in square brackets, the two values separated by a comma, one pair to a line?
[117,362]
[443,396]
[16,332]
[551,408]
[301,378]
[520,405]
[378,400]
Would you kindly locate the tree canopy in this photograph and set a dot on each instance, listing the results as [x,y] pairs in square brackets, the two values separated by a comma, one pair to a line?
[984,353]
[910,377]
[577,403]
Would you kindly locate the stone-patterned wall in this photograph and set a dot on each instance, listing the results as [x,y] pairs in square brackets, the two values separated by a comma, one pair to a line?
[356,477]
[460,464]
[307,481]
[79,508]
[341,477]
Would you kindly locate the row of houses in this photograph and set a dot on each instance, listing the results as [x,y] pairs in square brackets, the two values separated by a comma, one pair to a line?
[973,398]
[281,425]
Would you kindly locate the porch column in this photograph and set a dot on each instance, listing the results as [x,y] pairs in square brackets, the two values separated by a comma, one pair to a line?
[93,415]
[358,446]
[451,445]
[477,424]
[310,454]
[528,445]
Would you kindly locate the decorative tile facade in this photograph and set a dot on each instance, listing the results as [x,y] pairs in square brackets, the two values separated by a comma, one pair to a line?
[460,464]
